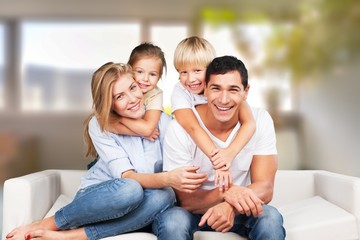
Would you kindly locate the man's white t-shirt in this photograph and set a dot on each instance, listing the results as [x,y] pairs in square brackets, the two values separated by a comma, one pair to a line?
[180,150]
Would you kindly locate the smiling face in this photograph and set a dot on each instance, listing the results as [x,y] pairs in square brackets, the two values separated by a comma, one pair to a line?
[193,78]
[225,92]
[127,97]
[147,72]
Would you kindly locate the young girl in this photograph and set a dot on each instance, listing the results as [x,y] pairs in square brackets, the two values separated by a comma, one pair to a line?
[148,63]
[124,191]
[191,57]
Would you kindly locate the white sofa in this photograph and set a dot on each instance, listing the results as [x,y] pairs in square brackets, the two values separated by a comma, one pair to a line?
[315,204]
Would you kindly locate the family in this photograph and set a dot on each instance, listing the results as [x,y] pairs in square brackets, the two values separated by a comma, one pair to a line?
[208,167]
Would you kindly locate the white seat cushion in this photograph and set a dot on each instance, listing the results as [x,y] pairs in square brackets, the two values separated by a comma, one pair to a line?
[315,218]
[60,202]
[204,235]
[311,218]
[133,236]
[63,200]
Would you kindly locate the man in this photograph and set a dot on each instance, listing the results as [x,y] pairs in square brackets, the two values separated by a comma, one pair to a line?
[241,209]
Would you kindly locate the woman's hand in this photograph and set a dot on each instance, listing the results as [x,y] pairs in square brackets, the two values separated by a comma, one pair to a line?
[185,179]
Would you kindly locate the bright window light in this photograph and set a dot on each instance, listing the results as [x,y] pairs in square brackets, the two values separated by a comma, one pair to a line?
[167,38]
[58,59]
[248,43]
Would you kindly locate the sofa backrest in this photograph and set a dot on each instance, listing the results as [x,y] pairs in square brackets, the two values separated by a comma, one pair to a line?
[292,185]
[286,181]
[70,181]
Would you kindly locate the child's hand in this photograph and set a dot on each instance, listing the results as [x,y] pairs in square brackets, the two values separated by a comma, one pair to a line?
[155,134]
[223,180]
[222,158]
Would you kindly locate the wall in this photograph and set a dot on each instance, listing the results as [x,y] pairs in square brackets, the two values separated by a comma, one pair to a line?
[331,113]
[328,108]
[59,137]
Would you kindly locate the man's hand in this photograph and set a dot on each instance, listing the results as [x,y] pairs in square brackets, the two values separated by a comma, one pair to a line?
[244,200]
[185,179]
[220,217]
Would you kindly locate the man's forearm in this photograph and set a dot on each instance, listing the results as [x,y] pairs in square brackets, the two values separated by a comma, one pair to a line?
[264,190]
[200,201]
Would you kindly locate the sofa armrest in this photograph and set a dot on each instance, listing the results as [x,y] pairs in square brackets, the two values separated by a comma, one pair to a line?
[28,198]
[341,190]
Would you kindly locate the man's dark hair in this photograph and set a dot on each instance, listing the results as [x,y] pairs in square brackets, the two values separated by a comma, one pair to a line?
[225,64]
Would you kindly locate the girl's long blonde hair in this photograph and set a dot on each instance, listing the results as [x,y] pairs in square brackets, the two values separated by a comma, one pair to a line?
[102,84]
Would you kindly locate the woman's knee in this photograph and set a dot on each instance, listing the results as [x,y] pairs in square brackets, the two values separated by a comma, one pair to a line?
[161,198]
[126,189]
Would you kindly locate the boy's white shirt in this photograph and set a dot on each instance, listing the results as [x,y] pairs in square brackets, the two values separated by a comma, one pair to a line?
[182,98]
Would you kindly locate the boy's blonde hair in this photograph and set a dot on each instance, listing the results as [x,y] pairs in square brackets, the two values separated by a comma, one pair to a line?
[193,51]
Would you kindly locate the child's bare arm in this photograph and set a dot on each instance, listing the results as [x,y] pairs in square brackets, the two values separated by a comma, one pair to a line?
[225,156]
[120,128]
[247,129]
[139,127]
[189,122]
[223,179]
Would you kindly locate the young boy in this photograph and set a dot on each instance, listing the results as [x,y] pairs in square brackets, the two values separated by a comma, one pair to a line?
[191,57]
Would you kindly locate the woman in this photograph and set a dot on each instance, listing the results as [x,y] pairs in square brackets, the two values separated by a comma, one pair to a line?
[125,190]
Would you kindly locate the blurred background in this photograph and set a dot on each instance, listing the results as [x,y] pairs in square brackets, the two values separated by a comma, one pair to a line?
[303,58]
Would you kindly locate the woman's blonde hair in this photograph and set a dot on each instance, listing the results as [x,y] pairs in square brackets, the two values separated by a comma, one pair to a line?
[102,84]
[194,51]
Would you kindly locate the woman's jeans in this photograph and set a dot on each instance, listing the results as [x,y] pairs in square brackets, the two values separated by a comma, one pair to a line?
[113,207]
[178,224]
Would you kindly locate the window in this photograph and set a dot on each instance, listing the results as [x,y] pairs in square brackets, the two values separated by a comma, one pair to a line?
[247,42]
[58,59]
[2,65]
[167,38]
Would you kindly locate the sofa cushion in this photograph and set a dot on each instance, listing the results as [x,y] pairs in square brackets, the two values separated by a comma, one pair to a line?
[133,236]
[205,235]
[316,218]
[311,218]
[60,202]
[63,200]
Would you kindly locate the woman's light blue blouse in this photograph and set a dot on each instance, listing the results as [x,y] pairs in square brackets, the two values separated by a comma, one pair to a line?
[120,153]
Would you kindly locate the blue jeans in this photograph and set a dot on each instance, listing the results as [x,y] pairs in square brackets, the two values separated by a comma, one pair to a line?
[178,224]
[114,207]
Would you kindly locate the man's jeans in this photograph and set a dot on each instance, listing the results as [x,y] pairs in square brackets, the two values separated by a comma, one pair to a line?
[178,224]
[113,207]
